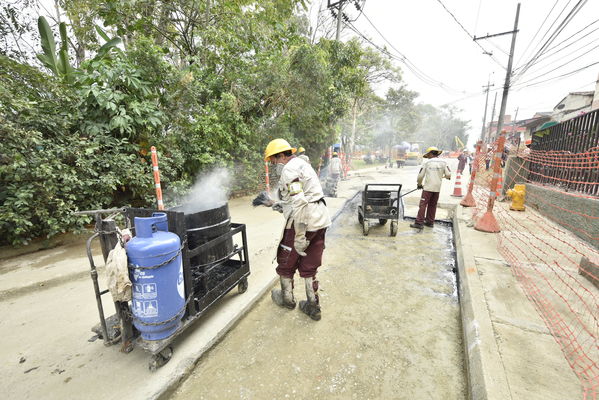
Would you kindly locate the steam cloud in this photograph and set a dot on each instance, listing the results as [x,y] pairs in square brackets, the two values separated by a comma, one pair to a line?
[210,191]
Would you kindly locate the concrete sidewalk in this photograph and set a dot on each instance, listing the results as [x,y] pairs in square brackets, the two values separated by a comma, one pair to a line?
[48,308]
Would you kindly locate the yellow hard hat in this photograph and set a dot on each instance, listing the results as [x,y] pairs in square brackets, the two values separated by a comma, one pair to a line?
[277,146]
[433,149]
[301,150]
[335,153]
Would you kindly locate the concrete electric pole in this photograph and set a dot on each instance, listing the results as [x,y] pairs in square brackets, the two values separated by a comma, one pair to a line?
[339,6]
[482,131]
[492,118]
[508,74]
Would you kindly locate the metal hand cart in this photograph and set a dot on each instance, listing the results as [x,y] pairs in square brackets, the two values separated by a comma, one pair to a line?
[208,275]
[382,202]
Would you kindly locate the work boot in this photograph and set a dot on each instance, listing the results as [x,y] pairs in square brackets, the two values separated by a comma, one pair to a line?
[416,225]
[429,224]
[284,297]
[311,306]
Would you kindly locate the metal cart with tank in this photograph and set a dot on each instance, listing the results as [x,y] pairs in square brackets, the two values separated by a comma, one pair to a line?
[381,202]
[215,261]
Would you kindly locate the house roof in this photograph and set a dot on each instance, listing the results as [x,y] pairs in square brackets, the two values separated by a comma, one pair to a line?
[534,122]
[589,93]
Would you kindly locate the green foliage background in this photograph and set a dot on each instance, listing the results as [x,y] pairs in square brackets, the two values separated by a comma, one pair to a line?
[209,83]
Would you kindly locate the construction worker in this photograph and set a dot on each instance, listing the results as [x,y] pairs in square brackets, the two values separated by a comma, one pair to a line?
[462,159]
[333,177]
[430,179]
[301,200]
[301,153]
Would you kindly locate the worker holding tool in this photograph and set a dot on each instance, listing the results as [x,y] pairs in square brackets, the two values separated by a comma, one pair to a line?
[301,200]
[430,179]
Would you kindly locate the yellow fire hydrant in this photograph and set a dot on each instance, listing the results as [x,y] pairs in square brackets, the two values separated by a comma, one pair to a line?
[518,195]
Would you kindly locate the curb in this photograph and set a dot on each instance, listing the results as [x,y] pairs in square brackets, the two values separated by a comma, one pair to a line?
[485,372]
[187,365]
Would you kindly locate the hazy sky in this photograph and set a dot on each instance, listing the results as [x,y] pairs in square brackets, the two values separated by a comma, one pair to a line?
[424,32]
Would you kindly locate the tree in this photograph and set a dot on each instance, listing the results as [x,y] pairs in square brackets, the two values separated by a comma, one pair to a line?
[440,126]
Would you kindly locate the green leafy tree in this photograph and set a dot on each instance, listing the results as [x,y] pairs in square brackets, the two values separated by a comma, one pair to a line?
[47,169]
[440,126]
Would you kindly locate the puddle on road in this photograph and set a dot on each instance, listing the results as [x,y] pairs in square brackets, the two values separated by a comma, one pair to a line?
[390,328]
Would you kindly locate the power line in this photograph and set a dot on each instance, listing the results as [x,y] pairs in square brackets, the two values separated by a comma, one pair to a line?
[403,58]
[576,33]
[567,74]
[549,55]
[477,15]
[577,7]
[470,35]
[567,46]
[539,30]
[573,52]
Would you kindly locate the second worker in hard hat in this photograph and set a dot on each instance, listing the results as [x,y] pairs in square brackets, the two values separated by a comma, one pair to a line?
[301,200]
[430,179]
[333,176]
[301,153]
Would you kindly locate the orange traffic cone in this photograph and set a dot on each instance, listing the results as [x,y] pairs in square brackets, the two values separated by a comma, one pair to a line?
[457,189]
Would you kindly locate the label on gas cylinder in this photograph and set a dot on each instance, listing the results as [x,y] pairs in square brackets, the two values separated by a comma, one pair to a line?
[180,287]
[145,308]
[145,291]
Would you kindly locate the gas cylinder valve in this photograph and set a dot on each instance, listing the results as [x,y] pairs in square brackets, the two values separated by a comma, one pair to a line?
[518,196]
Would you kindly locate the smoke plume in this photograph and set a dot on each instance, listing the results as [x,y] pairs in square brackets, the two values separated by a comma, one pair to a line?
[210,191]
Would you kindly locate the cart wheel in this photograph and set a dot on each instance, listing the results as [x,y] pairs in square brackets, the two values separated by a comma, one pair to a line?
[365,227]
[382,221]
[160,359]
[393,228]
[243,286]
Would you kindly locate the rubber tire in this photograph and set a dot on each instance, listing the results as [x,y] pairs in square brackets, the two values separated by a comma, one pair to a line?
[242,287]
[382,221]
[160,359]
[393,228]
[365,227]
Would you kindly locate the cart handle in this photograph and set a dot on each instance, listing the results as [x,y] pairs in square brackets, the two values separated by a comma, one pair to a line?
[413,190]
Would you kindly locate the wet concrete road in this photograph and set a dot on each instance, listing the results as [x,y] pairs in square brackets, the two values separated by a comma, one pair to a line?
[390,327]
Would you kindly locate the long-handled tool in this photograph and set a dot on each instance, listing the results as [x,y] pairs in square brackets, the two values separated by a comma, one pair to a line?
[413,190]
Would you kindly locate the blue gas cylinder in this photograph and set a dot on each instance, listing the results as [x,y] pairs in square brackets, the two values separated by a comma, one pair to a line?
[158,294]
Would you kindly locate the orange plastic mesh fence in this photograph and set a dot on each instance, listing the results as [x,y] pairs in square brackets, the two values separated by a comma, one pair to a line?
[544,253]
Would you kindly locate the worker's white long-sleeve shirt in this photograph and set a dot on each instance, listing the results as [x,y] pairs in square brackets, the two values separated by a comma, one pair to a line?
[335,165]
[432,173]
[300,193]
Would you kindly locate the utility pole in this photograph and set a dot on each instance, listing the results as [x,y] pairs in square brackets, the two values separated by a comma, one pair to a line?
[492,116]
[515,119]
[482,131]
[508,74]
[339,6]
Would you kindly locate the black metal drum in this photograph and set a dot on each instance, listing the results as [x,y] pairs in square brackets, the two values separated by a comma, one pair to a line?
[204,226]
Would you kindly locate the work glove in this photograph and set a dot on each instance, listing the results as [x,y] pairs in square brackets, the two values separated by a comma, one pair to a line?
[419,187]
[277,206]
[301,244]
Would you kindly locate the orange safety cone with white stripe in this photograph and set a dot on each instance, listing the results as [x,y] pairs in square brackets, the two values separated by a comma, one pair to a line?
[457,189]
